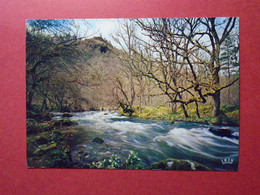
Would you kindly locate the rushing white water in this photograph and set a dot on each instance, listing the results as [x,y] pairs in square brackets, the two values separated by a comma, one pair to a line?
[155,140]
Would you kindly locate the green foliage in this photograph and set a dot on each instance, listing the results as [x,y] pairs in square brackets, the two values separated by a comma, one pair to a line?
[111,163]
[133,161]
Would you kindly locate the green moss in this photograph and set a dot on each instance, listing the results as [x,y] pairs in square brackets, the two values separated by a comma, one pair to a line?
[234,116]
[228,116]
[34,127]
[174,164]
[63,123]
[48,149]
[229,108]
[46,145]
[39,116]
[45,148]
[158,113]
[66,115]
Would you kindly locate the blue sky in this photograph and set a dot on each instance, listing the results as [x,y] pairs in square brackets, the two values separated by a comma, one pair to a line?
[88,28]
[95,27]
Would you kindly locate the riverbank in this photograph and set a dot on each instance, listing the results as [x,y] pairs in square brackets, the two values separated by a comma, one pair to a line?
[229,115]
[48,144]
[103,139]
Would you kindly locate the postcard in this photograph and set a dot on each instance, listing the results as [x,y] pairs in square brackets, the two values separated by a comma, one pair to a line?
[141,93]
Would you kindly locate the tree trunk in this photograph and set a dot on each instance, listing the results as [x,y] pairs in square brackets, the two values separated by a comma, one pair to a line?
[184,111]
[216,82]
[197,109]
[29,100]
[44,105]
[216,104]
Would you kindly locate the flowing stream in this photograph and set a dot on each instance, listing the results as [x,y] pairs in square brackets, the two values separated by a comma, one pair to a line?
[155,140]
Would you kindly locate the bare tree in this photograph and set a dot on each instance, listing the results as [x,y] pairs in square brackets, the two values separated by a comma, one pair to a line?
[179,50]
[50,51]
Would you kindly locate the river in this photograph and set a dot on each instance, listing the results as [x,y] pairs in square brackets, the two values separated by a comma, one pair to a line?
[155,140]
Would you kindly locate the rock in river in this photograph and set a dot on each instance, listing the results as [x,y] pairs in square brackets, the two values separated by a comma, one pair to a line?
[64,123]
[67,115]
[98,140]
[221,132]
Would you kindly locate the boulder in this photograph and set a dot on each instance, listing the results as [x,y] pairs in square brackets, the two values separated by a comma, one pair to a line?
[171,121]
[66,115]
[42,140]
[63,123]
[45,149]
[221,132]
[44,116]
[98,140]
[175,164]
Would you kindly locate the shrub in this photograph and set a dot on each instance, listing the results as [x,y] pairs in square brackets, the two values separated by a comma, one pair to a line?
[133,161]
[111,163]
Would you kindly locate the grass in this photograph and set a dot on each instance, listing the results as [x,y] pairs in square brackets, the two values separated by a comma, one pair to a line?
[229,115]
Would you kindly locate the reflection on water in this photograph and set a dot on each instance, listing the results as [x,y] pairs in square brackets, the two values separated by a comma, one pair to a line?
[155,140]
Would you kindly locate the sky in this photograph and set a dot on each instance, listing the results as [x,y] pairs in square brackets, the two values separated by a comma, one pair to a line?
[98,27]
[88,28]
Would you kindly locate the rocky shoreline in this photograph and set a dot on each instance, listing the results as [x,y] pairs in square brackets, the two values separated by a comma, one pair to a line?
[50,143]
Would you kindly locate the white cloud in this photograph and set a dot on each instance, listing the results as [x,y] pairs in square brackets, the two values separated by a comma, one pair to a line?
[107,27]
[104,28]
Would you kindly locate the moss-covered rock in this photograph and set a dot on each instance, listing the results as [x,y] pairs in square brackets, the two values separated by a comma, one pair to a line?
[48,150]
[64,123]
[39,116]
[171,121]
[67,115]
[45,148]
[221,132]
[35,127]
[175,164]
[42,140]
[98,140]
